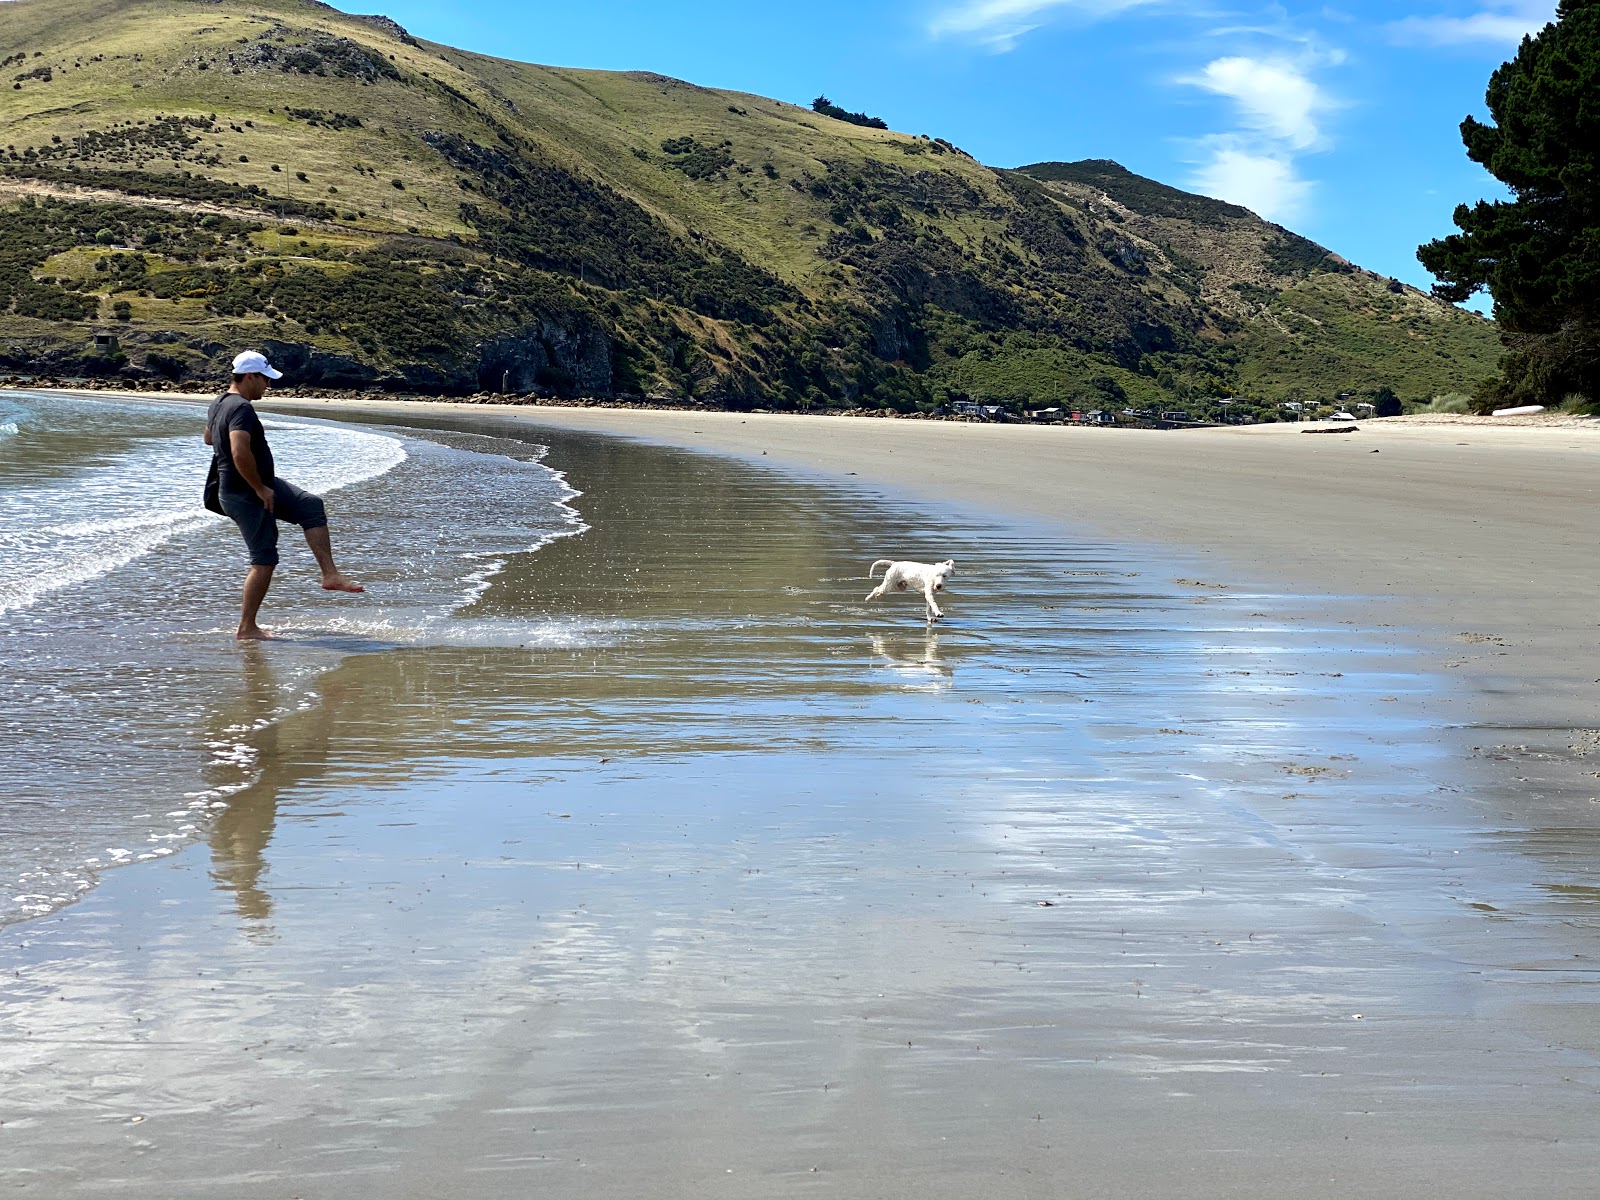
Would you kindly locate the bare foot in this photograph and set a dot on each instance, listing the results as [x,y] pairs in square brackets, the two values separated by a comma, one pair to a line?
[341,583]
[252,633]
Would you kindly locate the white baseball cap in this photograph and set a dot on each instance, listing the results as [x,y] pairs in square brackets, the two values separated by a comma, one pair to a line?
[253,362]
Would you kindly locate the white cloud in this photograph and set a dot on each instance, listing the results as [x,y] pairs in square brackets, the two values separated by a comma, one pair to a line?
[997,24]
[1263,181]
[1277,109]
[1277,105]
[1275,97]
[1500,23]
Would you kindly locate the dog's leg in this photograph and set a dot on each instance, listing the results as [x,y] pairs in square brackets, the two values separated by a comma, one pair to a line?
[876,592]
[933,609]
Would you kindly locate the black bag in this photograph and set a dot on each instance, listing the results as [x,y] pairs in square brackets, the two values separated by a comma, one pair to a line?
[212,498]
[213,493]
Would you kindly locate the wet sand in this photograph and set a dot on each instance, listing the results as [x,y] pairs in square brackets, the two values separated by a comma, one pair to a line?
[1140,875]
[1473,545]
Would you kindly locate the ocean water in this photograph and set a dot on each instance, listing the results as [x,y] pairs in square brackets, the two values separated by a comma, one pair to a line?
[118,592]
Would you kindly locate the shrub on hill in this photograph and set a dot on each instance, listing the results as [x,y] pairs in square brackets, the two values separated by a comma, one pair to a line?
[178,186]
[1138,193]
[697,160]
[829,109]
[312,52]
[1290,254]
[561,221]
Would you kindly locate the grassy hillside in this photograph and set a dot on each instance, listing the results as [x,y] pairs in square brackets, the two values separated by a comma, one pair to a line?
[194,174]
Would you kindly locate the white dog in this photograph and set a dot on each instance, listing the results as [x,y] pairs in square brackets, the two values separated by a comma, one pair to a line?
[926,578]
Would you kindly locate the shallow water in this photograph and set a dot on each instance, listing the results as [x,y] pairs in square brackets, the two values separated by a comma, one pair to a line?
[116,591]
[667,866]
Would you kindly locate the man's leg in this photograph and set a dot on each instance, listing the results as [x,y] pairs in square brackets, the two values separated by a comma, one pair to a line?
[256,582]
[260,533]
[307,511]
[321,545]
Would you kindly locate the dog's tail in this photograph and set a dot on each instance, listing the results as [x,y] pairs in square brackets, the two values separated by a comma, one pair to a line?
[882,562]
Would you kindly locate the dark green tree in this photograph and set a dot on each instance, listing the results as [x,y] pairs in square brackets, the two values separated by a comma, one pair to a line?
[1385,403]
[829,109]
[1538,254]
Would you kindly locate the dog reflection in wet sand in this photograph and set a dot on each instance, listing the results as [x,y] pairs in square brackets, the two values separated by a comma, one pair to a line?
[916,660]
[926,578]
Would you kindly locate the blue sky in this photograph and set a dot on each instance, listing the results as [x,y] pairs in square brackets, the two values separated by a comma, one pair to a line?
[1337,120]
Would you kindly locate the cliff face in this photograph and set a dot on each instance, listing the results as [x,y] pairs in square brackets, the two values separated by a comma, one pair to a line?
[188,175]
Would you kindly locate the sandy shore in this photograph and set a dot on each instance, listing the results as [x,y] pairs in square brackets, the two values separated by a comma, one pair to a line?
[1489,521]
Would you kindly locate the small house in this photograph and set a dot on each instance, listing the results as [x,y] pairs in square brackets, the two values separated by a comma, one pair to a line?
[105,343]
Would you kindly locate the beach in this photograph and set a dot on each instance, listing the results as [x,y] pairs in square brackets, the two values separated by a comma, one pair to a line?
[1233,836]
[1470,543]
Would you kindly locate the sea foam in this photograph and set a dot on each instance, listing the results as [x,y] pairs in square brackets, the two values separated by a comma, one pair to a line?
[61,532]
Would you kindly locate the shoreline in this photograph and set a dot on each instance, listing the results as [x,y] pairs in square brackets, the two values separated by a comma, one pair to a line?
[1474,535]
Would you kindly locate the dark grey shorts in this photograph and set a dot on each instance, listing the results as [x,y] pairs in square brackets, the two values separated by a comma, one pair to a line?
[260,528]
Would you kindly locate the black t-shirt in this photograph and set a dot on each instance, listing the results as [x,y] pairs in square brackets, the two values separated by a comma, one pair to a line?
[226,414]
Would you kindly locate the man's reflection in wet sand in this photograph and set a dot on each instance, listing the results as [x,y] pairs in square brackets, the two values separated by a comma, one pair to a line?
[241,831]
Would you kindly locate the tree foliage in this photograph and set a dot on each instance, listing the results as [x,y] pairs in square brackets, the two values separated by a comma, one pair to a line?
[829,109]
[1538,254]
[1385,403]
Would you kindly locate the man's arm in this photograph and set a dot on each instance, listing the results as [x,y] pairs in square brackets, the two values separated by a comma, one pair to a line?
[208,435]
[244,462]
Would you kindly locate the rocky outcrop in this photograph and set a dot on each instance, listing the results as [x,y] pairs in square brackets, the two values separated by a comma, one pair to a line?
[549,358]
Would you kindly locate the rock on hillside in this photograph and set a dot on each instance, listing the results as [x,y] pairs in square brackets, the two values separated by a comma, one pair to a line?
[186,175]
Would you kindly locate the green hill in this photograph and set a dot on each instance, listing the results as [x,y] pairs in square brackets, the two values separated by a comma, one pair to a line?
[191,175]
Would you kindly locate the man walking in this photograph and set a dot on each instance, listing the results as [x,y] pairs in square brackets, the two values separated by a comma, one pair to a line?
[243,485]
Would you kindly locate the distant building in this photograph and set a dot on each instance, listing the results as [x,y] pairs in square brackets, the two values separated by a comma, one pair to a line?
[105,343]
[983,412]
